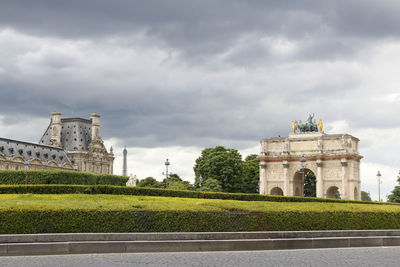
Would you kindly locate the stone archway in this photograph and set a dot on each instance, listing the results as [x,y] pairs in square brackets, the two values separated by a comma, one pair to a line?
[333,158]
[277,191]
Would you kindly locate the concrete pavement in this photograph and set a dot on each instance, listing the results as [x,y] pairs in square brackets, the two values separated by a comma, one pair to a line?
[48,244]
[381,256]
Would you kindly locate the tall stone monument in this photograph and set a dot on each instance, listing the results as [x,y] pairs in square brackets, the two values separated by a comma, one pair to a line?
[125,163]
[333,158]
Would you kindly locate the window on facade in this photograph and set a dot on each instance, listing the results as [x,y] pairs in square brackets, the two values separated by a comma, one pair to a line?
[6,166]
[16,167]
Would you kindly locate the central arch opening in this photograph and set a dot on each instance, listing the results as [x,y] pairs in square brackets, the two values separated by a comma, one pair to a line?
[305,183]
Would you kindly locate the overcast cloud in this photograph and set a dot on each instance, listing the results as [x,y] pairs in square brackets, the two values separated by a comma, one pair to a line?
[170,78]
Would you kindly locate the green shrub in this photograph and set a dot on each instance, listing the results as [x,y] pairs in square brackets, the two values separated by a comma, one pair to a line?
[102,221]
[60,177]
[144,191]
[34,213]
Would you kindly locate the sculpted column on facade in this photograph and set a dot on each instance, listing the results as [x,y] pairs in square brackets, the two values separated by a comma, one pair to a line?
[285,178]
[263,178]
[320,185]
[344,179]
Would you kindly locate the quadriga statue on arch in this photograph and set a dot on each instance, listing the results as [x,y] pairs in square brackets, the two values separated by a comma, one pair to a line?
[310,125]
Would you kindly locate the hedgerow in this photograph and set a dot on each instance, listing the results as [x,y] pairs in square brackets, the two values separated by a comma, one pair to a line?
[78,221]
[85,213]
[60,177]
[145,191]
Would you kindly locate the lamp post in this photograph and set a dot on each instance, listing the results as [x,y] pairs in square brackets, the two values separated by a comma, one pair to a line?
[303,164]
[26,164]
[379,177]
[166,173]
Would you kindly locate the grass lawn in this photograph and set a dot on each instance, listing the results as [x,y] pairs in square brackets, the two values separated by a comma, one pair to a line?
[147,203]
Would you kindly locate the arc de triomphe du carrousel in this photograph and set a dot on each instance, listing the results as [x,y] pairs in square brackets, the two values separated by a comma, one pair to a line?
[333,158]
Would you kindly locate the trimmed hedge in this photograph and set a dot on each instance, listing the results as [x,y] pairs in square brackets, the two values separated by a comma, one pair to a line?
[60,177]
[102,221]
[145,191]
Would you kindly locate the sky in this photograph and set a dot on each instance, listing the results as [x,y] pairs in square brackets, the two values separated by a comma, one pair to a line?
[173,77]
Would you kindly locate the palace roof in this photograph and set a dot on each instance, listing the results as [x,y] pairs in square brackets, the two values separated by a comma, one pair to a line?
[29,151]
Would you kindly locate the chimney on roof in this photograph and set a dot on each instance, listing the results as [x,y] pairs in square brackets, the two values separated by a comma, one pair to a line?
[95,118]
[55,139]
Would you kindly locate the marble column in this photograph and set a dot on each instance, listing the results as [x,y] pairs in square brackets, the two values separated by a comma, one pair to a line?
[320,185]
[344,179]
[263,177]
[285,178]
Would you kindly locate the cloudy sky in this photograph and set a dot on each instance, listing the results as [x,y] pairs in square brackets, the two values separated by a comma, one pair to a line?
[172,77]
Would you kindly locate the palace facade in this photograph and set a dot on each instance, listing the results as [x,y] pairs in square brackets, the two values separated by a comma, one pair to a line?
[67,144]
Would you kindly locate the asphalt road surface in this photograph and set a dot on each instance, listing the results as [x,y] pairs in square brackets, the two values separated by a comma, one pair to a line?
[380,256]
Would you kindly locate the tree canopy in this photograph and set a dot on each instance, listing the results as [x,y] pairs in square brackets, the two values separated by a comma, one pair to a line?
[221,164]
[150,182]
[251,174]
[395,195]
[365,196]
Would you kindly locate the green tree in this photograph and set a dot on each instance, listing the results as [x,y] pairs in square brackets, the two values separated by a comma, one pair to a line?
[173,178]
[222,164]
[176,182]
[365,196]
[176,185]
[251,174]
[310,185]
[150,182]
[211,185]
[395,195]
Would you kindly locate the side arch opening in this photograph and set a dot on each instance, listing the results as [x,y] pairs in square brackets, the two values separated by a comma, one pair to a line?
[333,192]
[277,191]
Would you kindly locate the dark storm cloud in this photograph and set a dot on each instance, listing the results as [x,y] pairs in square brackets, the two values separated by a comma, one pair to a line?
[207,27]
[199,72]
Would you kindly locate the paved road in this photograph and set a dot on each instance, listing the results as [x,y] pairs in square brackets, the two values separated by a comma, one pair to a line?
[386,256]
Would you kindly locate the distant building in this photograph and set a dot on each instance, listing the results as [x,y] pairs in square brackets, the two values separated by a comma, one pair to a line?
[67,144]
[81,140]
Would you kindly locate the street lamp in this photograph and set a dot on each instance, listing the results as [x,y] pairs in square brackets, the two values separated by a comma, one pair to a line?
[26,164]
[166,173]
[379,177]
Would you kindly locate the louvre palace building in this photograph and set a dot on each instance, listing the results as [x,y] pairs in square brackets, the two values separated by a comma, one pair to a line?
[67,144]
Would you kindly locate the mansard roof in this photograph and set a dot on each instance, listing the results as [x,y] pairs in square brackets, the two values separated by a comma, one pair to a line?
[30,151]
[75,134]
